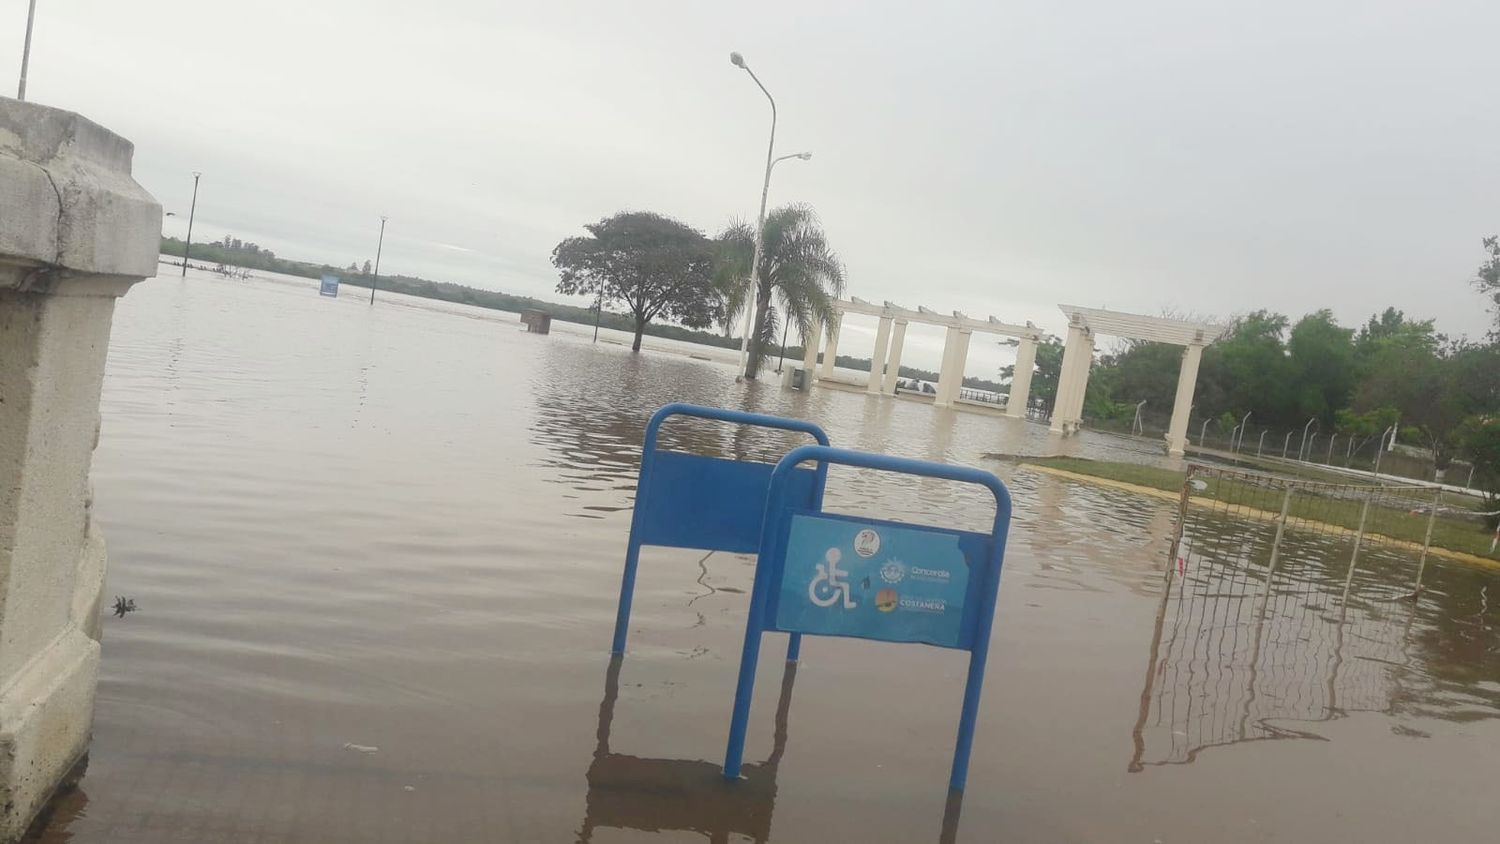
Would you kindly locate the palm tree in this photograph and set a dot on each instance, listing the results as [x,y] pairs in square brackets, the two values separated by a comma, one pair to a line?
[800,277]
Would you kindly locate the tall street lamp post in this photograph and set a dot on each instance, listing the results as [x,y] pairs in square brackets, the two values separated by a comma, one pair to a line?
[187,245]
[26,50]
[760,226]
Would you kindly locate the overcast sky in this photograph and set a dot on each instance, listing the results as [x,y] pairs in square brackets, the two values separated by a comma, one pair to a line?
[998,158]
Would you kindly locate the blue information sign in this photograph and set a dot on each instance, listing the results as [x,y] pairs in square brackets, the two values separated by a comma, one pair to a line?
[835,575]
[873,580]
[330,286]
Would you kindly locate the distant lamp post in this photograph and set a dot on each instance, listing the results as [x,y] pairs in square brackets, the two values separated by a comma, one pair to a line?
[26,50]
[187,245]
[760,226]
[379,244]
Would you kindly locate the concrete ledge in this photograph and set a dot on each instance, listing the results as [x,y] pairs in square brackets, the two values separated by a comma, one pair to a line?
[45,718]
[80,210]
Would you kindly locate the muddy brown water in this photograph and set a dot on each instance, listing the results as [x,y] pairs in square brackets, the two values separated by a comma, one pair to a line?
[401,528]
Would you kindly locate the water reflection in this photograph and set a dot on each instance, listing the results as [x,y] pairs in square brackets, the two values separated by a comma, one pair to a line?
[1236,655]
[653,795]
[691,795]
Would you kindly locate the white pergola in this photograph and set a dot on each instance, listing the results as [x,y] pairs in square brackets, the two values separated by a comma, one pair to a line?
[1078,356]
[890,336]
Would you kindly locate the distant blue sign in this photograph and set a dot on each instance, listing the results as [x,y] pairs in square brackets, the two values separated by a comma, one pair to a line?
[330,286]
[873,580]
[836,575]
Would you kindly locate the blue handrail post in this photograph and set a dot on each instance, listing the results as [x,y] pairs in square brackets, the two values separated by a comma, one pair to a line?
[744,690]
[627,593]
[980,653]
[735,530]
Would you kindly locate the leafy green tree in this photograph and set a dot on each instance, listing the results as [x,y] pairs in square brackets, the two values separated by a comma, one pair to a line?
[800,276]
[1146,372]
[1392,328]
[1479,441]
[1322,360]
[1249,369]
[1487,279]
[1434,391]
[654,265]
[1368,424]
[1044,378]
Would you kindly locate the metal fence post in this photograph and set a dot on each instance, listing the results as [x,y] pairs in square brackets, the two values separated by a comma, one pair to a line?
[1427,540]
[1286,445]
[1262,443]
[1359,537]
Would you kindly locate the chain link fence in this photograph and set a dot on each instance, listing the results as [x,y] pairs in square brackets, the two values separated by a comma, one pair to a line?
[1286,601]
[1309,444]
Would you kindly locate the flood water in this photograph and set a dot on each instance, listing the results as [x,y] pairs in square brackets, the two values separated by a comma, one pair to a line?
[376,553]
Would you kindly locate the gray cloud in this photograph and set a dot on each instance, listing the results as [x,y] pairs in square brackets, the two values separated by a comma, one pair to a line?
[996,158]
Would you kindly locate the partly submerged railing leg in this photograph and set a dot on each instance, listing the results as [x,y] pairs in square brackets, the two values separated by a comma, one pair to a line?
[744,690]
[1437,501]
[627,592]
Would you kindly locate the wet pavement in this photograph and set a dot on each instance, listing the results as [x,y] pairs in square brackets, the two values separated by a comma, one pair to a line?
[401,528]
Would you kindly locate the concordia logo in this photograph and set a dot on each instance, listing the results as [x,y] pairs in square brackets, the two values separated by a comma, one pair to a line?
[893,572]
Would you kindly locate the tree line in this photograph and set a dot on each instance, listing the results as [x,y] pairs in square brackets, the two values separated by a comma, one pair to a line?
[1439,393]
[657,267]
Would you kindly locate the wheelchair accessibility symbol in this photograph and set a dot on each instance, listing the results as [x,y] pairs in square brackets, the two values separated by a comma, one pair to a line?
[829,585]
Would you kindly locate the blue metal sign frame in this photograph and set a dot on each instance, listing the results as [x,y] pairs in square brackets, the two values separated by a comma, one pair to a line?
[709,503]
[983,555]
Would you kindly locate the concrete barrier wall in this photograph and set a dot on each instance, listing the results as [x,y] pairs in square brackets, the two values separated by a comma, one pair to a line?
[75,232]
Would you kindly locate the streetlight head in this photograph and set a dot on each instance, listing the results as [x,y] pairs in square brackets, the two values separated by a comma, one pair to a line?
[737,60]
[805,156]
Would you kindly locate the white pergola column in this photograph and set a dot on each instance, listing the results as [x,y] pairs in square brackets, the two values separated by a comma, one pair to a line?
[75,232]
[952,380]
[1072,381]
[893,359]
[810,355]
[831,353]
[1081,381]
[877,359]
[960,362]
[945,372]
[1020,379]
[1182,407]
